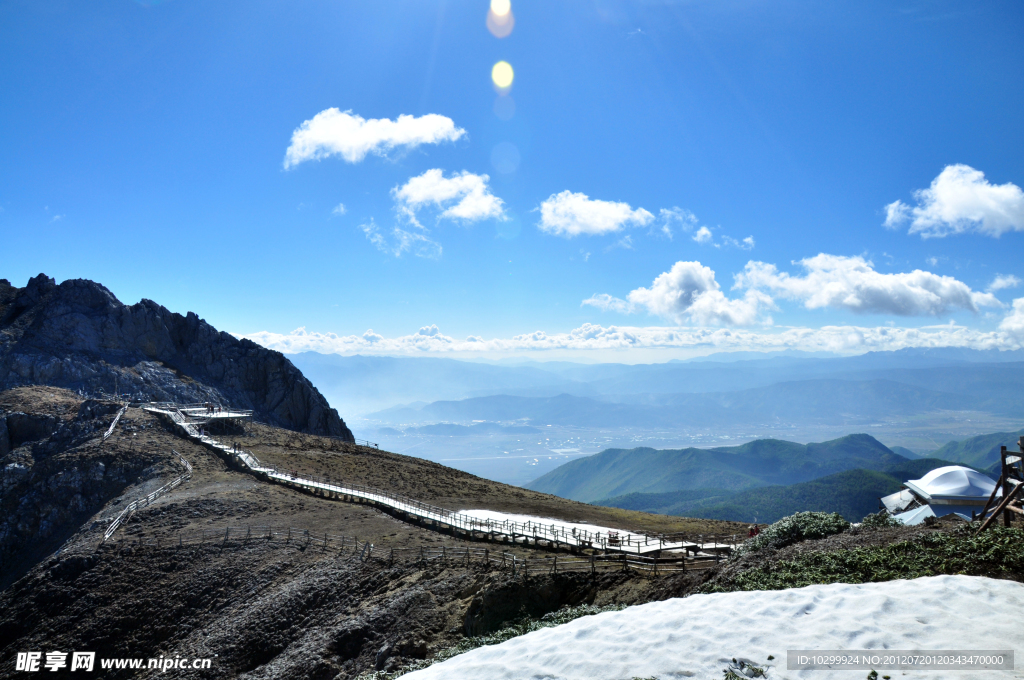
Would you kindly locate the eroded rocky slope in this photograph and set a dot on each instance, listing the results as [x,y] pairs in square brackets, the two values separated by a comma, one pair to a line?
[79,336]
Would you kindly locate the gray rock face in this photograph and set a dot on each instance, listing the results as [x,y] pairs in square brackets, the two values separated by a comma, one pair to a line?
[79,336]
[5,439]
[29,427]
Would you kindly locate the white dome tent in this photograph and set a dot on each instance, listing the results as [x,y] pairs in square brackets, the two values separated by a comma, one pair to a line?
[953,489]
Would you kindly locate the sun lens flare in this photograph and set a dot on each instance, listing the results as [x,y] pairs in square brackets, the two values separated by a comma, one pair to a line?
[500,20]
[502,76]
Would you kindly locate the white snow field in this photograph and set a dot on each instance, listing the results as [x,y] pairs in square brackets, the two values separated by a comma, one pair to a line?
[698,636]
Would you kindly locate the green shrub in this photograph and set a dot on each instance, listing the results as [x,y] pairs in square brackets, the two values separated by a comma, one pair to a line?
[997,553]
[880,520]
[795,528]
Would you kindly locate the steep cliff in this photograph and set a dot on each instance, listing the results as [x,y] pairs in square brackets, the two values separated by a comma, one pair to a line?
[79,336]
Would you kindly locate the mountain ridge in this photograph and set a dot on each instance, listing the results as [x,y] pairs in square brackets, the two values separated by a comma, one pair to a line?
[763,462]
[78,335]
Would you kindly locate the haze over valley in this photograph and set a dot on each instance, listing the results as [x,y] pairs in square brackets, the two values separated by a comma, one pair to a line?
[516,421]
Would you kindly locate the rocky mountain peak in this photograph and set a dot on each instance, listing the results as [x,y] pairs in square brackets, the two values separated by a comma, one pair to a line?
[78,335]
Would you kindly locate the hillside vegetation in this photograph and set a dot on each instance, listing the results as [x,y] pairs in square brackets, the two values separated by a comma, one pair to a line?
[981,451]
[851,493]
[764,462]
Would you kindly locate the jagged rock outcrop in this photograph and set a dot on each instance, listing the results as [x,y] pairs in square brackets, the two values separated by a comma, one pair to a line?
[78,335]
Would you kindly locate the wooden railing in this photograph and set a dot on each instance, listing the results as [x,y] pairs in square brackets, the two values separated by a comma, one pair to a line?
[129,510]
[553,534]
[110,430]
[238,536]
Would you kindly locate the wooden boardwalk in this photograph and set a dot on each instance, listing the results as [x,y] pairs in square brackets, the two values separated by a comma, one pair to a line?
[543,534]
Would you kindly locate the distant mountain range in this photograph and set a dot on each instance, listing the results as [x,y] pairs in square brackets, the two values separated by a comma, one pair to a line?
[617,472]
[953,378]
[852,493]
[826,401]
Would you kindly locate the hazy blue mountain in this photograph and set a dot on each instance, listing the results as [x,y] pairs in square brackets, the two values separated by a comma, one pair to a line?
[838,402]
[851,493]
[370,383]
[981,451]
[616,472]
[907,453]
[367,383]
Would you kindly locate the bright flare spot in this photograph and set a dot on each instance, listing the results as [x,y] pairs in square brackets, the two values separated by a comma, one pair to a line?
[502,75]
[501,7]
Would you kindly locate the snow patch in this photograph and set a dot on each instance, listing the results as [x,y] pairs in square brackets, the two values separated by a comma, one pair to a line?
[698,636]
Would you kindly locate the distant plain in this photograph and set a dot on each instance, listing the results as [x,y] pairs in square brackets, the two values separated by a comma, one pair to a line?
[514,422]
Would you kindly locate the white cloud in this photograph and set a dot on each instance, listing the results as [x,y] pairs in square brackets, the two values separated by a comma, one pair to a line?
[743,244]
[843,339]
[568,214]
[703,236]
[960,200]
[851,283]
[689,291]
[896,213]
[607,303]
[400,241]
[332,132]
[339,209]
[1004,281]
[1013,323]
[464,196]
[676,216]
[626,243]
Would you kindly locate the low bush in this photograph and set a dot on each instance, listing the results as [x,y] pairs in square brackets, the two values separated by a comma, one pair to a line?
[880,520]
[795,528]
[997,553]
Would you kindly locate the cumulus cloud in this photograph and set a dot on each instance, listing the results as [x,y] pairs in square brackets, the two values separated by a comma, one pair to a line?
[341,133]
[896,213]
[703,236]
[1013,324]
[1004,281]
[851,283]
[689,291]
[464,197]
[339,209]
[400,241]
[961,200]
[595,337]
[571,214]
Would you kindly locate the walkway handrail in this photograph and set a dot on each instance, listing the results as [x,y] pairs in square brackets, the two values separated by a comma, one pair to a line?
[110,430]
[130,509]
[617,541]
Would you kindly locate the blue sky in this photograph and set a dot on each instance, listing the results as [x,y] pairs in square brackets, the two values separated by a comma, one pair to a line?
[146,146]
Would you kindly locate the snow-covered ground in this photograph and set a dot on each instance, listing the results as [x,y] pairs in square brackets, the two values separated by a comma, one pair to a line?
[698,636]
